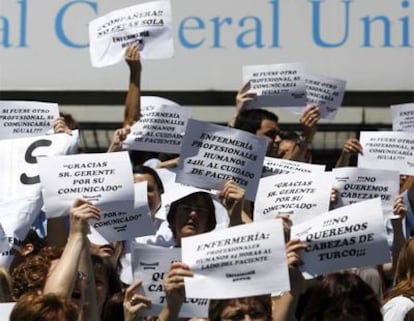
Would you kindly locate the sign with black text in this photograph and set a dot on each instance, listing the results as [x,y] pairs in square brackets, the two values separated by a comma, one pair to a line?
[274,166]
[358,184]
[351,236]
[240,261]
[147,24]
[160,129]
[403,117]
[387,150]
[26,118]
[300,196]
[213,154]
[276,85]
[150,264]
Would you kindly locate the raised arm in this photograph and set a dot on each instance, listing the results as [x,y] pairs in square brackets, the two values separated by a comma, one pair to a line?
[351,147]
[133,99]
[232,198]
[309,121]
[174,291]
[62,279]
[243,98]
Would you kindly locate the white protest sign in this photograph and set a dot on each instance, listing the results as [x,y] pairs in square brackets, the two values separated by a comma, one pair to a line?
[100,178]
[351,236]
[26,118]
[326,92]
[6,309]
[150,264]
[18,165]
[213,154]
[146,24]
[301,196]
[119,225]
[387,150]
[274,166]
[160,129]
[244,260]
[16,217]
[358,184]
[276,85]
[403,117]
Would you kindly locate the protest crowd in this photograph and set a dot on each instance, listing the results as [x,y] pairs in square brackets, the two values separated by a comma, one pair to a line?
[182,219]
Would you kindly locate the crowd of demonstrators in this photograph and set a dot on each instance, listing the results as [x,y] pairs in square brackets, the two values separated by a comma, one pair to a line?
[65,276]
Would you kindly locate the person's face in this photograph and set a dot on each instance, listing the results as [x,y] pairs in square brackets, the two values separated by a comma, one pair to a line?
[191,217]
[153,192]
[269,129]
[112,251]
[285,146]
[243,311]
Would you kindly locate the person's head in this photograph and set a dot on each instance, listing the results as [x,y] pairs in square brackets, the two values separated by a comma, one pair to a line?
[45,307]
[191,215]
[6,292]
[154,186]
[260,122]
[404,272]
[109,251]
[339,297]
[107,282]
[30,275]
[255,308]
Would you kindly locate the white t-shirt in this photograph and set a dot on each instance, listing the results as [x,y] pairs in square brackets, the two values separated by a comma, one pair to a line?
[396,308]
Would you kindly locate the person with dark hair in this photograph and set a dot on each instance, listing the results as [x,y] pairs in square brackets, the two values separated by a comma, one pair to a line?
[257,308]
[339,297]
[44,307]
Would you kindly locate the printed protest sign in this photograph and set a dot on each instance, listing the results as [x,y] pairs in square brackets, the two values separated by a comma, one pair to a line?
[26,118]
[146,24]
[276,85]
[358,184]
[101,178]
[212,155]
[351,236]
[387,150]
[326,92]
[301,196]
[117,225]
[18,166]
[160,129]
[16,217]
[150,264]
[403,117]
[273,166]
[240,261]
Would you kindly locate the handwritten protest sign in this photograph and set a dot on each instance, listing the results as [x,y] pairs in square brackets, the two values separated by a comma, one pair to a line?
[301,196]
[26,118]
[150,264]
[18,166]
[387,150]
[212,155]
[358,184]
[326,92]
[240,261]
[16,217]
[161,129]
[146,24]
[403,117]
[276,85]
[101,178]
[351,236]
[273,166]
